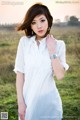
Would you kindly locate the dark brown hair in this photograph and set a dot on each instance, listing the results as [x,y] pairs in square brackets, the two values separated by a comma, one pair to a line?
[33,11]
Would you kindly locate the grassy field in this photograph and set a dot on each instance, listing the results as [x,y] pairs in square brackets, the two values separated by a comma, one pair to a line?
[69,87]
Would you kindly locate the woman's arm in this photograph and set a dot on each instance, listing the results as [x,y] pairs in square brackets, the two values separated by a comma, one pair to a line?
[20,99]
[56,64]
[58,68]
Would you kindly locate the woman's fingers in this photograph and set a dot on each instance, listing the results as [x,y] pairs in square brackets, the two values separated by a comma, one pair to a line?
[51,43]
[50,36]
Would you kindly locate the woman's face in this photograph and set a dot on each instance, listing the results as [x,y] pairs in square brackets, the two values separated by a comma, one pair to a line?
[39,25]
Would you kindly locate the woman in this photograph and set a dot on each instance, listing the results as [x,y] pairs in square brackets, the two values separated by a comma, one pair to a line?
[39,57]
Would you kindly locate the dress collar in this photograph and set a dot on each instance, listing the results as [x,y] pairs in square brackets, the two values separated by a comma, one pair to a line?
[42,41]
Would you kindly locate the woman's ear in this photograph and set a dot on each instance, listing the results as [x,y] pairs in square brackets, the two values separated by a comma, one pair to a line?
[32,32]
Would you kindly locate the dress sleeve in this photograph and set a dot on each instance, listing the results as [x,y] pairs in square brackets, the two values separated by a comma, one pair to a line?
[19,61]
[62,55]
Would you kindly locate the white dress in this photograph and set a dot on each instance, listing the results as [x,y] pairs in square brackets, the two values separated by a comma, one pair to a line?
[40,93]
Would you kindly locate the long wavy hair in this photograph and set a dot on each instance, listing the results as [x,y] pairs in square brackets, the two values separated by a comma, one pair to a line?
[33,11]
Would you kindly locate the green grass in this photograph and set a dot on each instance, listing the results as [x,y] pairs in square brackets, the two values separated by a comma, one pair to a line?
[69,87]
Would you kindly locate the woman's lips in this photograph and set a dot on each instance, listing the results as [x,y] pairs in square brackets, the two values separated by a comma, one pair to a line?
[40,31]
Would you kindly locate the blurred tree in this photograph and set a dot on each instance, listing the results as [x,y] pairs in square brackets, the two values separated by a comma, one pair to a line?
[73,21]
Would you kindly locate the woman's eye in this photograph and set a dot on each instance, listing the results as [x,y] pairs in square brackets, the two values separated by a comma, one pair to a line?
[33,23]
[42,20]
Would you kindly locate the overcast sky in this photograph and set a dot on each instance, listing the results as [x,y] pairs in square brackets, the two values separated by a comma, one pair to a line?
[13,11]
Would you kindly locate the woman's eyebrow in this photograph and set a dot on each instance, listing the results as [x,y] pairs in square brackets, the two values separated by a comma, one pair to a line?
[39,19]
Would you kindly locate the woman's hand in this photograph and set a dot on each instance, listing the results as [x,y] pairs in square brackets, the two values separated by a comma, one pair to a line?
[56,63]
[22,110]
[51,44]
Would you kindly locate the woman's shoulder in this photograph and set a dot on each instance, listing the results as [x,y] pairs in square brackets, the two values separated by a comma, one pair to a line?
[24,40]
[60,42]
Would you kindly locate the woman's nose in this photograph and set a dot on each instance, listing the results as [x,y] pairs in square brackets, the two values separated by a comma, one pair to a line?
[39,25]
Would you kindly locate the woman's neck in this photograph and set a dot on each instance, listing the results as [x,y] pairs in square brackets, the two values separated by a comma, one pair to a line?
[39,38]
